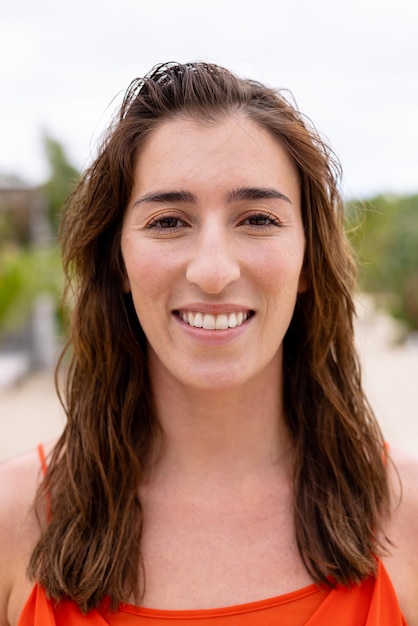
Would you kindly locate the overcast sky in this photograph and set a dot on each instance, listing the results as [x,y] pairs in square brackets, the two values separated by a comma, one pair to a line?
[352,67]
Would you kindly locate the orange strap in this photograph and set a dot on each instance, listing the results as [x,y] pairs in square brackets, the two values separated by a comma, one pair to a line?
[44,469]
[42,459]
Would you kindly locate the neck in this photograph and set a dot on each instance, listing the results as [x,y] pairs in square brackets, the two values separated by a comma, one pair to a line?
[228,432]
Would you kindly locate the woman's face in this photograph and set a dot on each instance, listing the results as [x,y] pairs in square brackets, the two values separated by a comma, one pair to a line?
[213,245]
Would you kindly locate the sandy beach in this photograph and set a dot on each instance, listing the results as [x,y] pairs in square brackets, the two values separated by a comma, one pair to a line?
[31,413]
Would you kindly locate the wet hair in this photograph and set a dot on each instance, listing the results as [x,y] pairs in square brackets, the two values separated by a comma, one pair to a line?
[90,547]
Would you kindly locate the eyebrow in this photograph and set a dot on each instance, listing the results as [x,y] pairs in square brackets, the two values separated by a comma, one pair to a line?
[256,193]
[236,195]
[165,196]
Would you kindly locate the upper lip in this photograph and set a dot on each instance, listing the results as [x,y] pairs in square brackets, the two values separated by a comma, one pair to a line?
[214,309]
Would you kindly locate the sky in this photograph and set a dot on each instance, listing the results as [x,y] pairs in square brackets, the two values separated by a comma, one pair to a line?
[352,67]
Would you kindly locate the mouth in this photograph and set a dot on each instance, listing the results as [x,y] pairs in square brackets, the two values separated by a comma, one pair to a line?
[207,321]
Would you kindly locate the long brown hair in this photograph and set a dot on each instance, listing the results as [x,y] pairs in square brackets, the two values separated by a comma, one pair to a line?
[90,547]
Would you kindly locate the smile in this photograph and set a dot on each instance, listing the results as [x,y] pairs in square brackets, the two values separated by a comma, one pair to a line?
[208,321]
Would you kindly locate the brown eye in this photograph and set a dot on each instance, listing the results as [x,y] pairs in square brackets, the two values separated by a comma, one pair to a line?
[168,222]
[165,222]
[261,219]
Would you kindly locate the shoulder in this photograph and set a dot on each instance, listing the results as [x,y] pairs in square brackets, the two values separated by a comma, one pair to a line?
[403,476]
[19,479]
[402,531]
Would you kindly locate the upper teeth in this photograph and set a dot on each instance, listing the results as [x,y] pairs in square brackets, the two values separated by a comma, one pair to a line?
[213,322]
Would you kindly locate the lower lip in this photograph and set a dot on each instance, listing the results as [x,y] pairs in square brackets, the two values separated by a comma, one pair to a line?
[213,337]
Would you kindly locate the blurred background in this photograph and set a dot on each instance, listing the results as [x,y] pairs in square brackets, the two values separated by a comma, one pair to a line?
[352,68]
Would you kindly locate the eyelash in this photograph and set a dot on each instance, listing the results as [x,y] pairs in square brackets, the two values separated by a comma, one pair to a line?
[268,218]
[156,223]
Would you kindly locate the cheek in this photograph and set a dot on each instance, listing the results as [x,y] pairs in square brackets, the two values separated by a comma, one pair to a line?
[147,279]
[284,271]
[139,265]
[142,275]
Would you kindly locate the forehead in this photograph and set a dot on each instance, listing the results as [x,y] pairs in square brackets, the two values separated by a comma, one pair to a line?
[188,151]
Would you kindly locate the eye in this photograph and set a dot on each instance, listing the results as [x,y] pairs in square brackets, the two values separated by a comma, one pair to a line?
[165,223]
[263,220]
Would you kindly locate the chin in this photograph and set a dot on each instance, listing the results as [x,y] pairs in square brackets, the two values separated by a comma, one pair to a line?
[218,381]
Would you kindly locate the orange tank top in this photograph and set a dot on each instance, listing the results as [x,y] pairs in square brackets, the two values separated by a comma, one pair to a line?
[373,603]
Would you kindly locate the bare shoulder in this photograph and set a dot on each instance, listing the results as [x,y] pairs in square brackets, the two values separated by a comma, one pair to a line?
[402,531]
[403,525]
[19,479]
[403,471]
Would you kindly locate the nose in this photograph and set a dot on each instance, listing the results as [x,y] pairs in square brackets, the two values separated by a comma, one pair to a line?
[213,263]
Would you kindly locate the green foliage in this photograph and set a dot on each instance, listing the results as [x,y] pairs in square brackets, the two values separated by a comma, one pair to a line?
[63,177]
[14,216]
[384,231]
[26,272]
[11,280]
[23,275]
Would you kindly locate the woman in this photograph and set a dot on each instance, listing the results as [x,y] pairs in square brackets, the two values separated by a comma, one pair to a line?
[220,460]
